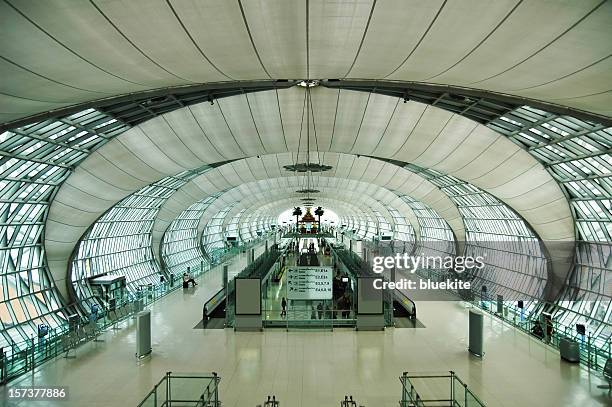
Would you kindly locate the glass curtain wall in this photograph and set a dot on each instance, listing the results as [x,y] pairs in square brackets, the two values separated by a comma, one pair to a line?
[34,161]
[577,154]
[402,229]
[213,238]
[180,246]
[436,236]
[119,243]
[515,265]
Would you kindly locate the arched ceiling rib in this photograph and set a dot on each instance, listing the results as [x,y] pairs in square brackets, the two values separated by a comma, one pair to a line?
[262,202]
[349,172]
[340,188]
[258,196]
[269,122]
[51,58]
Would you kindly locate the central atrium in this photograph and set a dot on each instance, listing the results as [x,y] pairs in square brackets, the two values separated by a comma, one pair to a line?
[209,203]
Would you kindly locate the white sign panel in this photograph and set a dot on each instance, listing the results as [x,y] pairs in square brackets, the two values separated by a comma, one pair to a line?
[309,283]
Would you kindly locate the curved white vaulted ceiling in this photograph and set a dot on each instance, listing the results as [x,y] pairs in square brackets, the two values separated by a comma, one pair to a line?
[351,195]
[274,203]
[57,54]
[264,202]
[372,178]
[269,122]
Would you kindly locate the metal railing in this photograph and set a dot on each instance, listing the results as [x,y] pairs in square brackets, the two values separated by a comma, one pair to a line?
[439,390]
[349,402]
[184,389]
[592,354]
[25,356]
[258,269]
[270,402]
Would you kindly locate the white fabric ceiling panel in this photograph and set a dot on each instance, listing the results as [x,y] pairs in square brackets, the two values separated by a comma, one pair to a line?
[351,107]
[344,165]
[212,123]
[142,145]
[271,165]
[167,141]
[26,86]
[84,30]
[373,170]
[395,29]
[31,47]
[91,184]
[386,173]
[373,123]
[471,148]
[291,106]
[72,196]
[424,134]
[278,28]
[586,101]
[209,184]
[323,110]
[53,54]
[400,178]
[237,113]
[255,167]
[336,29]
[401,125]
[359,166]
[110,175]
[69,218]
[554,60]
[165,42]
[218,29]
[267,119]
[231,172]
[14,107]
[457,23]
[131,163]
[184,125]
[453,134]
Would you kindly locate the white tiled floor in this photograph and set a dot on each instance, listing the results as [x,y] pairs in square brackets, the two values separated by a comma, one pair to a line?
[307,369]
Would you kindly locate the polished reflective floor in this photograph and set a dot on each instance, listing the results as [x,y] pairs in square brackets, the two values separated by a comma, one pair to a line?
[305,369]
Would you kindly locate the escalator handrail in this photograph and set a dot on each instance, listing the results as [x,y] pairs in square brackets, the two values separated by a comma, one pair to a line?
[206,310]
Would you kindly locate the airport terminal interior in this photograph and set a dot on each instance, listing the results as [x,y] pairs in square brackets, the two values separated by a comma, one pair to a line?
[303,203]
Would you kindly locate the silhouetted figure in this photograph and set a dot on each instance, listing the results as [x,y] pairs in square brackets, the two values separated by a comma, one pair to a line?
[284,307]
[537,330]
[188,279]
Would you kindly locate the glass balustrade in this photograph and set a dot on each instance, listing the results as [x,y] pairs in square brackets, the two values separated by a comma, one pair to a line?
[432,389]
[184,389]
[24,356]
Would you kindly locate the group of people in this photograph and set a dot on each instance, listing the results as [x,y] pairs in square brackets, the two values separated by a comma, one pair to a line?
[343,306]
[320,312]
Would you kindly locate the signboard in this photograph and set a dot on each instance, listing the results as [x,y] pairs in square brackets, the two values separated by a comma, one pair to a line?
[309,283]
[369,299]
[248,296]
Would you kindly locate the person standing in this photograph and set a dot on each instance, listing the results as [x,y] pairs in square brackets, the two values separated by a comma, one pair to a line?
[284,308]
[320,310]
